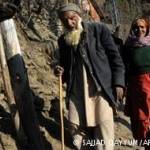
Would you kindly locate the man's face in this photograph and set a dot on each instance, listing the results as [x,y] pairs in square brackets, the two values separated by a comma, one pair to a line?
[70,20]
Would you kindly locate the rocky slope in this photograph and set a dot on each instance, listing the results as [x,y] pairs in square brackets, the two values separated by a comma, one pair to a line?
[38,29]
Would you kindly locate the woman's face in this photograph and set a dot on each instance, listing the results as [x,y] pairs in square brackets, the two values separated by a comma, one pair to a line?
[140,28]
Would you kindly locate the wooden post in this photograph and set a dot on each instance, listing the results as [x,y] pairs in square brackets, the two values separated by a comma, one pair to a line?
[8,91]
[20,84]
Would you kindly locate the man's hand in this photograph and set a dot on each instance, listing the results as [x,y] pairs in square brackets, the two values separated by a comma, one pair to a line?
[58,71]
[119,93]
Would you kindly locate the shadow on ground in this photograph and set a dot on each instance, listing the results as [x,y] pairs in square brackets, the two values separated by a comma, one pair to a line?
[50,120]
[121,118]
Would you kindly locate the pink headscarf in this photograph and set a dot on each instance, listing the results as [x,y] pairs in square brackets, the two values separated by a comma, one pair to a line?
[134,41]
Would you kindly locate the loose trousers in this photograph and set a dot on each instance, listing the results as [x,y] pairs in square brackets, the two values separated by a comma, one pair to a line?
[103,132]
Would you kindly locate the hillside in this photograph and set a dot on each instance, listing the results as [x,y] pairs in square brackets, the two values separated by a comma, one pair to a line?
[38,28]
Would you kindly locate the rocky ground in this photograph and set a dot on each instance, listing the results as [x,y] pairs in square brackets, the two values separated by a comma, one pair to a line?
[50,128]
[37,31]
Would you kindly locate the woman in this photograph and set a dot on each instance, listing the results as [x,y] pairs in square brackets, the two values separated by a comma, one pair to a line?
[137,60]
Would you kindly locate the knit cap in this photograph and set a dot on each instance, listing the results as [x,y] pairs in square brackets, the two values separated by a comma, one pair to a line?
[69,7]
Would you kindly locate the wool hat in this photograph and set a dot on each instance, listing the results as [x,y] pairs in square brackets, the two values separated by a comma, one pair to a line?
[69,7]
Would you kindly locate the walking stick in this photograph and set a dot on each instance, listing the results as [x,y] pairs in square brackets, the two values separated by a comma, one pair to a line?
[61,112]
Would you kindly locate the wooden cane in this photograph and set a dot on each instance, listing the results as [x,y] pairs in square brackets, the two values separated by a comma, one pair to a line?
[61,112]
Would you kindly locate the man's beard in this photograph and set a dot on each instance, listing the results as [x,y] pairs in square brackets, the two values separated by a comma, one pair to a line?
[72,38]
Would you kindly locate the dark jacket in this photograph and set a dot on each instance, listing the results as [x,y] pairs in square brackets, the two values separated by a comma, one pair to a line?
[100,55]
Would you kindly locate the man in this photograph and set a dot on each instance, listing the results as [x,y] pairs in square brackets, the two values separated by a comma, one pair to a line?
[93,70]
